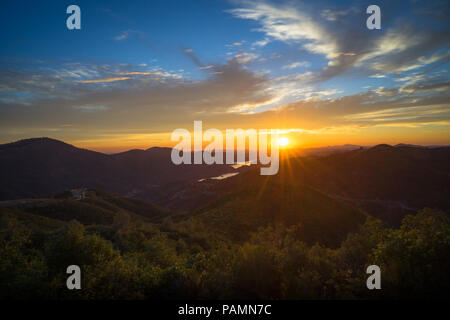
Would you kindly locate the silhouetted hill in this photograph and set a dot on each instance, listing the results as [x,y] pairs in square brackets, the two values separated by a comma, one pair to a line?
[405,177]
[386,181]
[42,166]
[324,151]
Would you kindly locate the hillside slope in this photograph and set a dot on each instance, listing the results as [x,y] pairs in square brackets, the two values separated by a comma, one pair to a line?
[250,201]
[98,208]
[385,180]
[42,166]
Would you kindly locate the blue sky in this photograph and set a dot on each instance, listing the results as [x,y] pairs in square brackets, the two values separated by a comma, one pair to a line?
[151,30]
[148,67]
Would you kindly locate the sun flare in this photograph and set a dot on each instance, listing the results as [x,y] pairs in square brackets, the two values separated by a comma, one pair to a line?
[283,142]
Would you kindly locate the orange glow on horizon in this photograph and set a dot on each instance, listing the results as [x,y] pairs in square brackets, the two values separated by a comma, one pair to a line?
[111,142]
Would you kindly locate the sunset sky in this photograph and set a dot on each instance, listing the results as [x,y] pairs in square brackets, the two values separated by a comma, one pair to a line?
[137,70]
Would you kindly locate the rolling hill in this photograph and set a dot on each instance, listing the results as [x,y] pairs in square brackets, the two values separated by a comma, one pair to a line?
[386,181]
[253,202]
[41,167]
[99,207]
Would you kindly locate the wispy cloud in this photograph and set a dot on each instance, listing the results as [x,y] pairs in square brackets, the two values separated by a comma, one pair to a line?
[135,73]
[335,14]
[89,108]
[261,43]
[122,36]
[295,65]
[245,57]
[127,34]
[110,79]
[398,49]
[378,76]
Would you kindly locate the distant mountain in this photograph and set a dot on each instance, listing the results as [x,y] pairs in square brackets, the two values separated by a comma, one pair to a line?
[399,145]
[42,166]
[383,178]
[385,181]
[324,151]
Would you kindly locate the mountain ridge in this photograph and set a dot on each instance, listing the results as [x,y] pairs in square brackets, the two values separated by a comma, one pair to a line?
[384,180]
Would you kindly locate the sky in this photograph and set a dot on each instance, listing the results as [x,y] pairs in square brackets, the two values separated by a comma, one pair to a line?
[138,70]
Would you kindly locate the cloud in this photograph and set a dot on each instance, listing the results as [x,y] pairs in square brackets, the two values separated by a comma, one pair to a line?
[335,14]
[110,79]
[367,109]
[424,61]
[91,108]
[261,43]
[236,44]
[76,81]
[245,57]
[288,24]
[159,100]
[126,34]
[344,42]
[428,87]
[208,67]
[295,65]
[378,76]
[233,98]
[405,48]
[408,114]
[136,73]
[123,35]
[192,56]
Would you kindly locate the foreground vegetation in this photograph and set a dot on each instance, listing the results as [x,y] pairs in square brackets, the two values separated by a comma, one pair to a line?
[132,256]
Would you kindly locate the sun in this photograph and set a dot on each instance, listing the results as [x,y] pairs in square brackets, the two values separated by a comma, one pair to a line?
[283,142]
